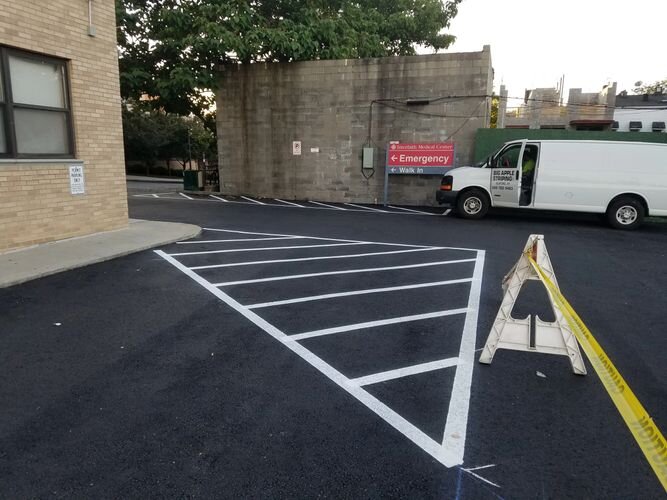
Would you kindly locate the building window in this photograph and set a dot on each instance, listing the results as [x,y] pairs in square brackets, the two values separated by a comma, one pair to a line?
[635,126]
[35,112]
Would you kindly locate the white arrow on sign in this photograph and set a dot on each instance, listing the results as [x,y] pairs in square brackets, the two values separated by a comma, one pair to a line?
[394,157]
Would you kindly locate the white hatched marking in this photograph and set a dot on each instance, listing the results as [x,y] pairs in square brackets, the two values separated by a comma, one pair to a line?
[185,196]
[289,203]
[154,195]
[406,371]
[218,198]
[381,322]
[238,239]
[383,411]
[357,292]
[254,201]
[262,249]
[446,212]
[325,205]
[366,208]
[410,210]
[303,259]
[347,271]
[469,471]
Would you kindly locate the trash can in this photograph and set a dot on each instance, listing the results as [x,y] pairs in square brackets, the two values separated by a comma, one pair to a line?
[193,180]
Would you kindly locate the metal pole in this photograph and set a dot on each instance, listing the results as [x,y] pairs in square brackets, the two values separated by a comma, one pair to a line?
[189,151]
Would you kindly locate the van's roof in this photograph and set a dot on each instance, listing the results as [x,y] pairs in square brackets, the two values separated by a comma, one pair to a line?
[587,141]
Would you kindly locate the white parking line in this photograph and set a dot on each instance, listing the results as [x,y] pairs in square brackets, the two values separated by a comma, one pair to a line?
[325,205]
[337,239]
[366,208]
[155,196]
[347,271]
[303,259]
[239,239]
[185,196]
[289,203]
[262,249]
[218,198]
[371,324]
[405,372]
[454,437]
[410,210]
[357,292]
[254,201]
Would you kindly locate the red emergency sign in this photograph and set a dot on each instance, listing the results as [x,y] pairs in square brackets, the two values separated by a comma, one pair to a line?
[439,154]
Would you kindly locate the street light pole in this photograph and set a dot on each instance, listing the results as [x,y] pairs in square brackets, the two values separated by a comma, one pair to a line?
[189,150]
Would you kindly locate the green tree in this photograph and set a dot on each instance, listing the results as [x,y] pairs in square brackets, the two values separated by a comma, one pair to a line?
[151,135]
[652,88]
[495,105]
[171,49]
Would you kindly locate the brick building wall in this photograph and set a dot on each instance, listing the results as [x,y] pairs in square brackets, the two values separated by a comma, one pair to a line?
[35,201]
[262,108]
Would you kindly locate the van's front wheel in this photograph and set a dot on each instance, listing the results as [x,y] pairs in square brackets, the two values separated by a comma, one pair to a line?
[625,213]
[472,204]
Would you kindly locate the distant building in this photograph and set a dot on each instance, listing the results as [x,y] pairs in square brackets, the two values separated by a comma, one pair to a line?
[61,136]
[543,108]
[640,113]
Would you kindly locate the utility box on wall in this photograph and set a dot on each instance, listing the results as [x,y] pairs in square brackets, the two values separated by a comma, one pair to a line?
[344,111]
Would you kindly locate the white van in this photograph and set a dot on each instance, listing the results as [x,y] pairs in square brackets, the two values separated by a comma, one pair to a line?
[624,180]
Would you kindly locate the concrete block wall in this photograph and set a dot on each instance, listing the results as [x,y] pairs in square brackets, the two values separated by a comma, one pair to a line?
[263,108]
[35,201]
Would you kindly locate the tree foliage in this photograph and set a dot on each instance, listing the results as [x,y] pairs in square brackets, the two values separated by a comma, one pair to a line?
[170,49]
[651,88]
[151,135]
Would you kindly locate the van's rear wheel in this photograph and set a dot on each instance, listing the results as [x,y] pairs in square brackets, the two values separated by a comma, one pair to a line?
[625,213]
[472,204]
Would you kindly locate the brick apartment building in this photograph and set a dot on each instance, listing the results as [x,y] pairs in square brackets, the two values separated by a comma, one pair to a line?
[60,115]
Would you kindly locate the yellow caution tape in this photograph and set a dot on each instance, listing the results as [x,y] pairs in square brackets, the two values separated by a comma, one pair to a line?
[640,423]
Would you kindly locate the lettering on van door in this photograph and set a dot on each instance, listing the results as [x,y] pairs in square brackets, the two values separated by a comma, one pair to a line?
[503,179]
[505,187]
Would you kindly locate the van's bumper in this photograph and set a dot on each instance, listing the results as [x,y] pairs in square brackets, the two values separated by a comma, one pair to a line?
[446,197]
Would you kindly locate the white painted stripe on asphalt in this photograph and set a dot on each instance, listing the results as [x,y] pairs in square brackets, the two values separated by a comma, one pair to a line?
[357,292]
[185,196]
[303,259]
[239,239]
[366,208]
[325,205]
[347,271]
[410,210]
[406,371]
[469,471]
[339,239]
[446,212]
[218,198]
[254,201]
[371,324]
[289,203]
[383,411]
[454,437]
[262,249]
[154,195]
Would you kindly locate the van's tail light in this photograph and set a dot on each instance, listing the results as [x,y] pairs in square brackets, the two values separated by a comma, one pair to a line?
[446,183]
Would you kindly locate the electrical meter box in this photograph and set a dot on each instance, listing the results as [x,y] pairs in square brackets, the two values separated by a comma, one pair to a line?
[367,158]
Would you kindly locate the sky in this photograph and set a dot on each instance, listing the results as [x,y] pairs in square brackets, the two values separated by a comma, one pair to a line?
[591,42]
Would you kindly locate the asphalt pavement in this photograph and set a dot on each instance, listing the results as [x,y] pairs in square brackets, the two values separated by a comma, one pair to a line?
[236,366]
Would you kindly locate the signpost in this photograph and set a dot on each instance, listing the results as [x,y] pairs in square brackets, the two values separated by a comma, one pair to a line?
[417,159]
